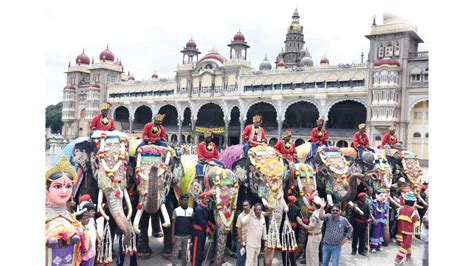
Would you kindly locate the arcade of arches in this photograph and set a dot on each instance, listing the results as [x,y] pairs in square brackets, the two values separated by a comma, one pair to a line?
[418,135]
[343,118]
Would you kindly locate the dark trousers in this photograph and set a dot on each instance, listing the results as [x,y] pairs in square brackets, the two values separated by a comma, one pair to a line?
[198,241]
[288,258]
[359,236]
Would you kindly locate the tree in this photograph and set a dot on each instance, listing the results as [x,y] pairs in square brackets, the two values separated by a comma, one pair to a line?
[53,117]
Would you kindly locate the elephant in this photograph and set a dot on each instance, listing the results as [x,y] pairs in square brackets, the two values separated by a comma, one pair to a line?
[262,176]
[157,173]
[302,183]
[224,186]
[109,164]
[334,180]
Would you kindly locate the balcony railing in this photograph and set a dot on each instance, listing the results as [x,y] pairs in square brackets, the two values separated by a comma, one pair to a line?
[418,55]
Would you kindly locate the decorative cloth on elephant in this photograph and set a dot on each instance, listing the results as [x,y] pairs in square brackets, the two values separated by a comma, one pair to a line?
[411,167]
[265,160]
[334,160]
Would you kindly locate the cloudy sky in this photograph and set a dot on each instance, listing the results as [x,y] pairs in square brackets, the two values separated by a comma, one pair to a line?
[148,35]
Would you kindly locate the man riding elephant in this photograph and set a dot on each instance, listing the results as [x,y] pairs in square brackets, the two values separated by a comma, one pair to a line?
[102,121]
[207,152]
[155,133]
[390,140]
[361,141]
[253,134]
[286,147]
[319,136]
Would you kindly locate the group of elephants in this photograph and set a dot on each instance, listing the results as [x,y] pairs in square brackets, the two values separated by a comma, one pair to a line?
[151,178]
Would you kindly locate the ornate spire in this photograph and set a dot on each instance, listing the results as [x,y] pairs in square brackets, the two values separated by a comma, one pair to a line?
[92,60]
[373,21]
[69,64]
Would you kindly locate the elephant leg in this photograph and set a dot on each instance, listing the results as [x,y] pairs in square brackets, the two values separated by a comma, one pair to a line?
[144,249]
[156,225]
[167,247]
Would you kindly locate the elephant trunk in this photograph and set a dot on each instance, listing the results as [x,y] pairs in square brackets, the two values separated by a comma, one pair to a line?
[116,209]
[152,198]
[352,190]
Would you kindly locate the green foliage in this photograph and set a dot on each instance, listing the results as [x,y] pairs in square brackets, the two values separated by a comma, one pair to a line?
[53,117]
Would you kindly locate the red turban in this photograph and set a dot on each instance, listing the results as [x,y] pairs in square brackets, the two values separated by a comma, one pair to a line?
[85,197]
[292,199]
[205,194]
[362,194]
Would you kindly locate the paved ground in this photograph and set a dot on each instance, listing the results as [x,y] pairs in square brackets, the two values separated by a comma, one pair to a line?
[385,257]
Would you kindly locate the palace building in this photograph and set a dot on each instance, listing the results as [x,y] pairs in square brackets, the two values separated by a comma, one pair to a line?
[389,88]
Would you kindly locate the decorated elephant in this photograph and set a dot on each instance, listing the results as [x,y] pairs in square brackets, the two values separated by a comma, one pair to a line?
[157,173]
[63,231]
[224,186]
[302,184]
[262,176]
[110,167]
[334,181]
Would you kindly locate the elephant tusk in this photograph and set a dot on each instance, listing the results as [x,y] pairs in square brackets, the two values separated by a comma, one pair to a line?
[168,157]
[136,221]
[100,209]
[355,207]
[166,217]
[330,202]
[129,204]
[394,201]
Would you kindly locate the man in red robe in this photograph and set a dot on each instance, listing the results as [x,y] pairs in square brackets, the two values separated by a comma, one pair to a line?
[408,219]
[319,136]
[253,134]
[389,140]
[207,152]
[286,147]
[361,141]
[155,133]
[102,121]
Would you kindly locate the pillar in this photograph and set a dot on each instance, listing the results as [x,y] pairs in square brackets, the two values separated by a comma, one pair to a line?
[131,123]
[193,126]
[180,129]
[242,123]
[280,124]
[226,133]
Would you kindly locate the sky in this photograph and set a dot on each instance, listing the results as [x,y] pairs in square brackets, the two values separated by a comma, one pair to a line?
[149,35]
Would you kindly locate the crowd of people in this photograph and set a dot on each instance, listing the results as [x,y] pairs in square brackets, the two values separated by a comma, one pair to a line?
[329,227]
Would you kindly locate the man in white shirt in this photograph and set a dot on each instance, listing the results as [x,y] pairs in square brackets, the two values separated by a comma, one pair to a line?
[242,232]
[256,232]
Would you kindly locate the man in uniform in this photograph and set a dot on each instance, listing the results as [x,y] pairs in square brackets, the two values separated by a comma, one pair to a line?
[361,141]
[207,152]
[389,140]
[181,229]
[286,147]
[155,133]
[102,121]
[289,258]
[408,219]
[359,223]
[202,223]
[319,136]
[253,134]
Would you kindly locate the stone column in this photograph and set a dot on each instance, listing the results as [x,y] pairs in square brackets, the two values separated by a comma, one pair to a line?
[193,126]
[180,130]
[226,133]
[280,124]
[242,124]
[131,123]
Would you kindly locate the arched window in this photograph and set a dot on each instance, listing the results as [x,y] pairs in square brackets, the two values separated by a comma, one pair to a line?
[417,135]
[427,135]
[397,49]
[389,51]
[381,50]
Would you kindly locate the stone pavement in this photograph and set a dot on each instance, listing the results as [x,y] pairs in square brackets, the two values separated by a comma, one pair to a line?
[385,257]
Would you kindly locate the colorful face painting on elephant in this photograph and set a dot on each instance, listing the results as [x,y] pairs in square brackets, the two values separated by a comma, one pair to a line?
[302,184]
[334,180]
[111,173]
[262,175]
[157,173]
[63,231]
